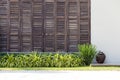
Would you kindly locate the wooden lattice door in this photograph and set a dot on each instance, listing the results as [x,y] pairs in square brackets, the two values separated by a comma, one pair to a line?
[44,25]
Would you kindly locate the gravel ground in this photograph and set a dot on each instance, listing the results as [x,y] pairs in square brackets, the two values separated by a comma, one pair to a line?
[59,75]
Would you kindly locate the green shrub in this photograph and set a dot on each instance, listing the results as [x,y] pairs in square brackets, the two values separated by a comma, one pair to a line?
[87,53]
[35,59]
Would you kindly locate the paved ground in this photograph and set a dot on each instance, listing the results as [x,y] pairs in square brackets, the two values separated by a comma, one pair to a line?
[59,75]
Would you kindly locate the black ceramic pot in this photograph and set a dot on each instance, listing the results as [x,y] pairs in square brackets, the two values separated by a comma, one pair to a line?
[100,57]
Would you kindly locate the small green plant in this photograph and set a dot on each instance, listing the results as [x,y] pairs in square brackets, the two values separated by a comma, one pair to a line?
[87,53]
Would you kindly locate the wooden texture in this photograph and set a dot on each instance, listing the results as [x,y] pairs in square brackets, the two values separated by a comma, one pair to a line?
[44,25]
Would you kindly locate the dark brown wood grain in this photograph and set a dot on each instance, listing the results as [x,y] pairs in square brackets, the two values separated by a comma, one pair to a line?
[44,25]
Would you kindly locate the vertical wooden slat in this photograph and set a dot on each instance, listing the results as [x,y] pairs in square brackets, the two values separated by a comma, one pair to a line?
[19,32]
[89,13]
[55,24]
[20,28]
[8,27]
[43,26]
[65,41]
[78,8]
[32,25]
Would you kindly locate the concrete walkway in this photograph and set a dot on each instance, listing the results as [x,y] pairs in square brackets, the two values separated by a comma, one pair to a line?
[59,75]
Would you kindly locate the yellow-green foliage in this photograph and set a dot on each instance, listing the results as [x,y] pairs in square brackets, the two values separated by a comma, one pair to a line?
[34,59]
[41,60]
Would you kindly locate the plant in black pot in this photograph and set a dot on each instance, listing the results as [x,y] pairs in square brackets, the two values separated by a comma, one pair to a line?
[100,57]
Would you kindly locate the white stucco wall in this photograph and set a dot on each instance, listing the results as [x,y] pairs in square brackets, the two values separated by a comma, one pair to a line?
[105,28]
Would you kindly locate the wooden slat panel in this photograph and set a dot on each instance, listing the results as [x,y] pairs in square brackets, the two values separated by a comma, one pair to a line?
[72,26]
[37,26]
[14,42]
[60,26]
[84,21]
[49,28]
[26,10]
[44,25]
[4,22]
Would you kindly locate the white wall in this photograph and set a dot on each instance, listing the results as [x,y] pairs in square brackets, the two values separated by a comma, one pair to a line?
[105,28]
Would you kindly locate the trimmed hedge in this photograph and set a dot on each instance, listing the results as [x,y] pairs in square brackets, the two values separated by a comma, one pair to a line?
[35,59]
